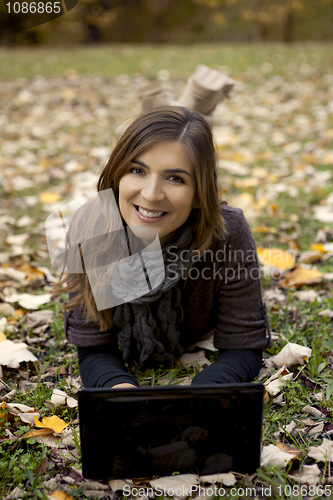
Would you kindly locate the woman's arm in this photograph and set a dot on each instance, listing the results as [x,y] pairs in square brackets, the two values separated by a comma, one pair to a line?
[100,360]
[235,366]
[100,367]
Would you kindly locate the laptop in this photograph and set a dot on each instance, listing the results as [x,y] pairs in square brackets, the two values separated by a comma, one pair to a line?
[157,431]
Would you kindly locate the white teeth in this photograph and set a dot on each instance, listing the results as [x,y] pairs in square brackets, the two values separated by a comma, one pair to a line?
[144,212]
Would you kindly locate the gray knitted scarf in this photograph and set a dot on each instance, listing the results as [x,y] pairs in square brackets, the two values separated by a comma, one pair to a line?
[148,325]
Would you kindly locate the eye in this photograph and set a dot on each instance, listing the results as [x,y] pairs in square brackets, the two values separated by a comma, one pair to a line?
[176,179]
[137,171]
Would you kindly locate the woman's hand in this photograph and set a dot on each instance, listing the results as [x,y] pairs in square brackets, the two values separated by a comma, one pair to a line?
[125,385]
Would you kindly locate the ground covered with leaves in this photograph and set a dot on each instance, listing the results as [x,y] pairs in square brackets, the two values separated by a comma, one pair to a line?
[275,143]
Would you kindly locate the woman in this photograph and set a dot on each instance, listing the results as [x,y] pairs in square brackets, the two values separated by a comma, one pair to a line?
[163,174]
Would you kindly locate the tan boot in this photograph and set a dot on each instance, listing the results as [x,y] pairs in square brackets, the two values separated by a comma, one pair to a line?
[205,89]
[156,94]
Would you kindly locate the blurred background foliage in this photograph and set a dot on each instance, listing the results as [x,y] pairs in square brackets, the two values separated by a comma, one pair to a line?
[179,21]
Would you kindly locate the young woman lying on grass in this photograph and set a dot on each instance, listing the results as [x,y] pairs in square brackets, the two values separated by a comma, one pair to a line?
[163,175]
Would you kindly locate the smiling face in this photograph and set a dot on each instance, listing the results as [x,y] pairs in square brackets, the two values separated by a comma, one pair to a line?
[158,190]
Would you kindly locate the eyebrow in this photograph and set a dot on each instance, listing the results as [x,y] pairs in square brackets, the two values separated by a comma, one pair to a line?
[169,170]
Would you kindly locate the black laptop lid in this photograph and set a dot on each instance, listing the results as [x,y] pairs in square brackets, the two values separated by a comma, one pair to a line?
[148,431]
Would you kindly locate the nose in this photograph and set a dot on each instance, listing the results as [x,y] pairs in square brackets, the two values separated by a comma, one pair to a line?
[153,190]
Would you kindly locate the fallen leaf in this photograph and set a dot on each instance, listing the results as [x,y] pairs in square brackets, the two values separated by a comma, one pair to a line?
[207,344]
[195,358]
[55,423]
[17,239]
[33,275]
[228,479]
[183,482]
[310,410]
[310,256]
[301,276]
[308,474]
[326,312]
[29,301]
[276,257]
[61,398]
[9,273]
[264,229]
[38,318]
[37,433]
[272,455]
[308,296]
[12,354]
[289,449]
[24,412]
[322,453]
[291,354]
[48,197]
[59,495]
[3,326]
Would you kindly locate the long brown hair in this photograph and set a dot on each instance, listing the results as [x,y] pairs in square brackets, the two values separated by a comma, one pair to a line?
[173,124]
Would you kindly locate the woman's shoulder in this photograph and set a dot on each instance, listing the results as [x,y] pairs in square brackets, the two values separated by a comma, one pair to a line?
[234,219]
[236,225]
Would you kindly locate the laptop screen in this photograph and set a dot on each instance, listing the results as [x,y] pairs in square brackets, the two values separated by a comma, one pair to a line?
[156,431]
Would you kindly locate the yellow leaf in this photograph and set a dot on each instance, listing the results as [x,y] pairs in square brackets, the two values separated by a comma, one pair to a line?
[55,423]
[59,495]
[301,276]
[276,257]
[18,314]
[264,229]
[317,247]
[48,197]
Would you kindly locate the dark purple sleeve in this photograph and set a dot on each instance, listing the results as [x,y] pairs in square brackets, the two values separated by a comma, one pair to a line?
[100,367]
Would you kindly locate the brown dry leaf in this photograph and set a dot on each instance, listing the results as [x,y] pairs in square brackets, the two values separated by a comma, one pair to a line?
[291,355]
[272,455]
[264,229]
[276,257]
[38,433]
[34,276]
[301,276]
[54,423]
[308,474]
[289,449]
[12,354]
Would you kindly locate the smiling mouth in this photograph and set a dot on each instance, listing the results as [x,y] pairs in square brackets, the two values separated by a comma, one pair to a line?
[149,213]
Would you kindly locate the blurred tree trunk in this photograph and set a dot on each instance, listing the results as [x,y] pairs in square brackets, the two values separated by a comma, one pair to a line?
[288,33]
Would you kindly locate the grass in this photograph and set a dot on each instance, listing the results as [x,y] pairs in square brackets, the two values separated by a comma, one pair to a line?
[26,463]
[113,60]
